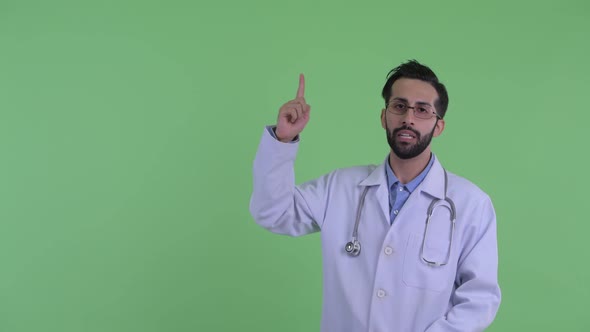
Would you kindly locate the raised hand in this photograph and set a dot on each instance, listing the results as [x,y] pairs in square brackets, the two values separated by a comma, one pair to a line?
[293,115]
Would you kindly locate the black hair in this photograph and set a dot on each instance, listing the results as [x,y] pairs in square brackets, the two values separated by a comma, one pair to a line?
[413,69]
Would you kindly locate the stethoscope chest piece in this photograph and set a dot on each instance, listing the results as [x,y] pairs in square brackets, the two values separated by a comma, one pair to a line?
[353,248]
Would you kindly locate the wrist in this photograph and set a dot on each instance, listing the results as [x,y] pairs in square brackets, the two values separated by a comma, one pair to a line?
[283,139]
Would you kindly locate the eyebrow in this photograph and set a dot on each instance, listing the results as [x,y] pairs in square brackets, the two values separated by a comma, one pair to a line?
[406,101]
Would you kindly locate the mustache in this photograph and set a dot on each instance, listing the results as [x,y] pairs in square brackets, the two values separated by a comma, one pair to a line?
[397,130]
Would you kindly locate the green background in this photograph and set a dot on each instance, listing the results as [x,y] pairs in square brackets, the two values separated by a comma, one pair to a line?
[128,130]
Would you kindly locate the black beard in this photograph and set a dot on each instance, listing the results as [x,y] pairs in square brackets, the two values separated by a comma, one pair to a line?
[405,150]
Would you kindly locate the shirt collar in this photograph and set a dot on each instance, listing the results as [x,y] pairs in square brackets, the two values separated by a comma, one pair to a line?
[412,185]
[433,184]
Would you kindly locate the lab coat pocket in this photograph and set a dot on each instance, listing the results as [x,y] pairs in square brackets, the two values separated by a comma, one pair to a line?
[418,273]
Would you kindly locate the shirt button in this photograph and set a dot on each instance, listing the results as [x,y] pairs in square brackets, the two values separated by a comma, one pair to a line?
[401,188]
[388,251]
[380,293]
[396,212]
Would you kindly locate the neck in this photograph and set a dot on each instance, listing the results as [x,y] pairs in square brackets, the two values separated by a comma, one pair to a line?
[408,169]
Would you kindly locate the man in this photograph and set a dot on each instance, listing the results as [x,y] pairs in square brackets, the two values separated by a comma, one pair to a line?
[407,246]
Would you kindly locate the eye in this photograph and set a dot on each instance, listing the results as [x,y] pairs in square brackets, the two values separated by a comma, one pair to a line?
[399,106]
[422,110]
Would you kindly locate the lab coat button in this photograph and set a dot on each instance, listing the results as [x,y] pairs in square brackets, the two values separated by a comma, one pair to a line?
[380,293]
[388,251]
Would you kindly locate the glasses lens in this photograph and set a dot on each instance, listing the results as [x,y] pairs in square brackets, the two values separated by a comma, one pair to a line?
[423,112]
[398,108]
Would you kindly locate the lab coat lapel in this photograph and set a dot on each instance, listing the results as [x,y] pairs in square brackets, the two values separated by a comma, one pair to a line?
[378,178]
[413,213]
[434,182]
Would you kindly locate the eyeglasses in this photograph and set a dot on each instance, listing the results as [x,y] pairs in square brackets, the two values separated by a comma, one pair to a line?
[421,111]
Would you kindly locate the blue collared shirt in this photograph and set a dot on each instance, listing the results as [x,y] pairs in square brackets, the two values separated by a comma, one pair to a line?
[398,192]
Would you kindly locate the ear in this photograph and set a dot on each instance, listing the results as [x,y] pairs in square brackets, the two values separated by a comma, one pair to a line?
[439,128]
[383,118]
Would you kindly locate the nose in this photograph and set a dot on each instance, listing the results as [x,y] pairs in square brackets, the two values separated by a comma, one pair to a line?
[408,117]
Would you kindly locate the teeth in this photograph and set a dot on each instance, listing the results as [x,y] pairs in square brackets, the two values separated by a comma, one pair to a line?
[405,135]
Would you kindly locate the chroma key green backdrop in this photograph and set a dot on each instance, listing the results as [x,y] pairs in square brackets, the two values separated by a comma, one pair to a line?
[128,130]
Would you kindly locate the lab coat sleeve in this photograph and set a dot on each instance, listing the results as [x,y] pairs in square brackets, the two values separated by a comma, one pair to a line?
[277,204]
[476,297]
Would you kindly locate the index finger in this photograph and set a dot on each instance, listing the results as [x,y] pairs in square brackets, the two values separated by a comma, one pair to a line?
[301,89]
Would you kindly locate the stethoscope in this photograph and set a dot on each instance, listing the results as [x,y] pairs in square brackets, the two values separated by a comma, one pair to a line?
[353,248]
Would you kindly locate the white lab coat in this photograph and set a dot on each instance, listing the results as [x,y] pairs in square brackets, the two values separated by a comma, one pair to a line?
[387,287]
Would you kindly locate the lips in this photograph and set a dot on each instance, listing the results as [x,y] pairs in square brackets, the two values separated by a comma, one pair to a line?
[406,134]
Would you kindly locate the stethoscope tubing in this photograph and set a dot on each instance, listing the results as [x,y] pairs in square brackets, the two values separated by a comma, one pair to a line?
[353,247]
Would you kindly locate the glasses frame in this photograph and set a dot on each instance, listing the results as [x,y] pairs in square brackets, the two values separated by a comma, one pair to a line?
[392,111]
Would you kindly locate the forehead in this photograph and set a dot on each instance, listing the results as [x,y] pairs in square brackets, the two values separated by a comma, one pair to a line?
[413,90]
